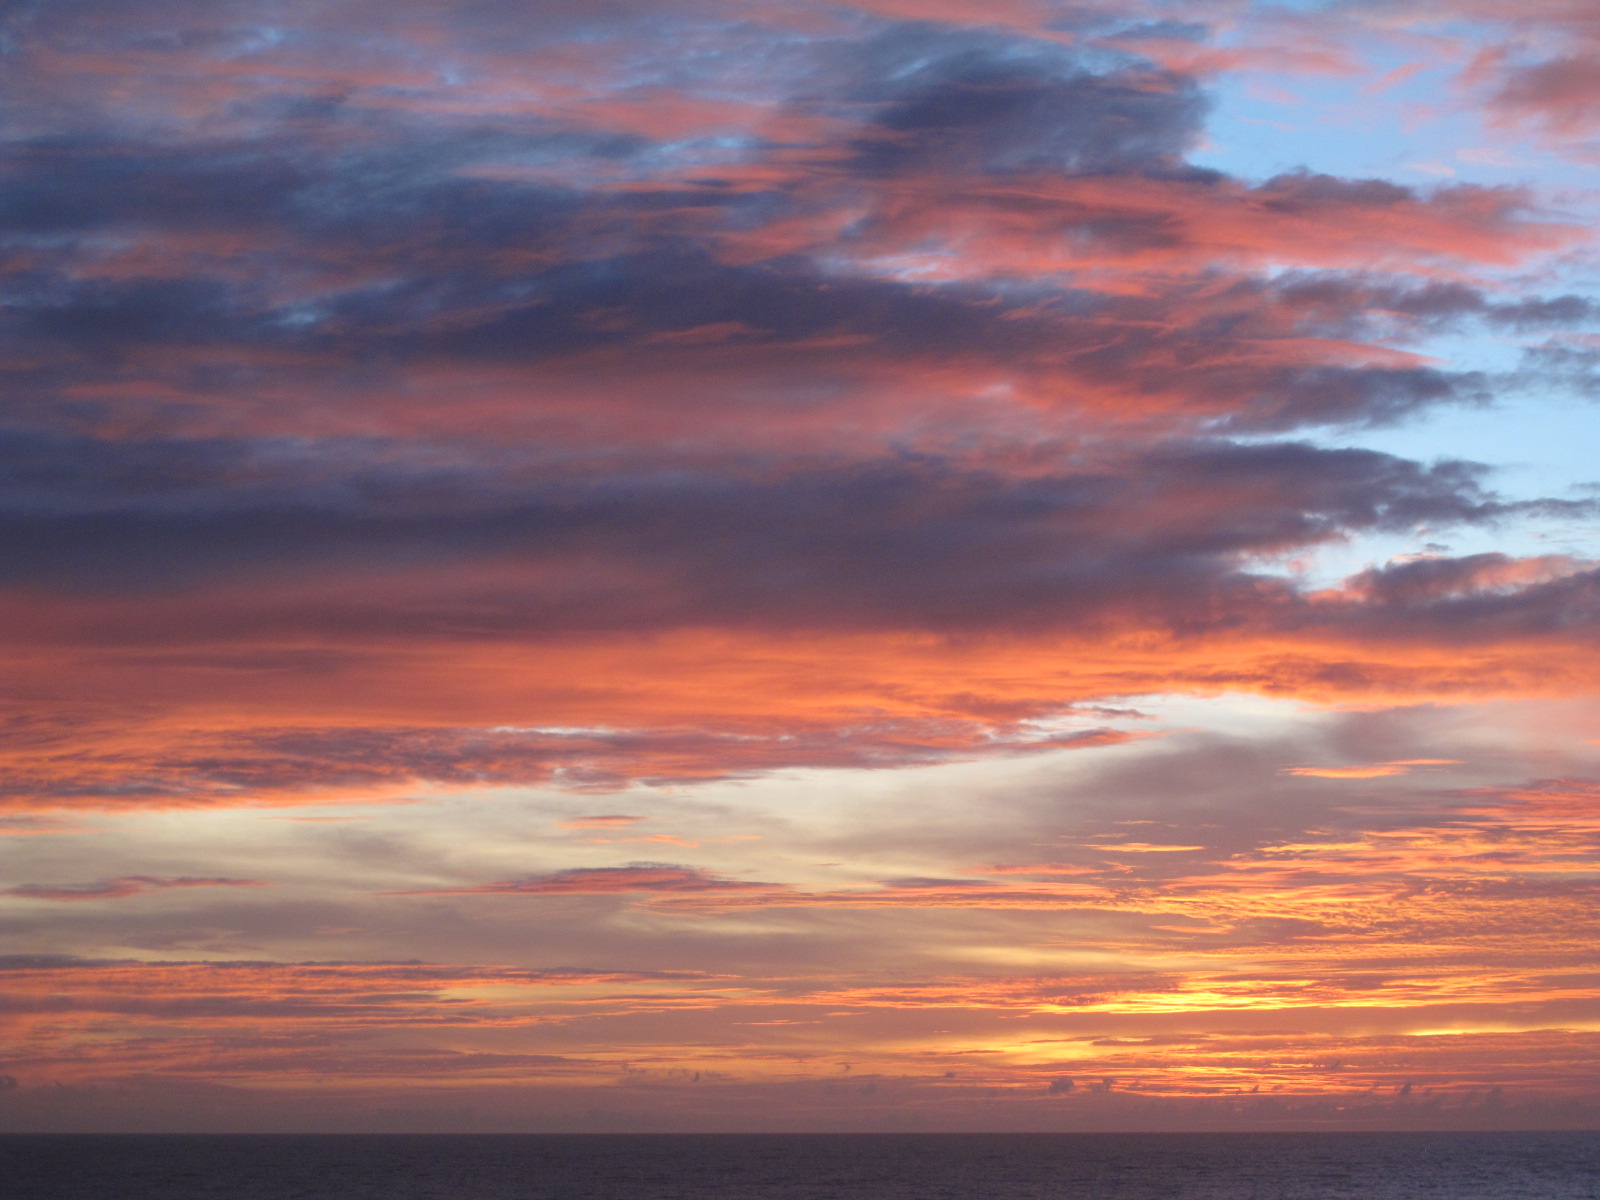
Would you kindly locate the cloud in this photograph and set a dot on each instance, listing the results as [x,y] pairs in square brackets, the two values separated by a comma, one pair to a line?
[1370,770]
[372,431]
[28,825]
[1374,771]
[929,540]
[812,420]
[1375,920]
[1532,67]
[333,765]
[1564,92]
[121,887]
[607,881]
[959,103]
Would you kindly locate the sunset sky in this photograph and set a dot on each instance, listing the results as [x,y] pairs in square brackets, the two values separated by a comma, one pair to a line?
[799,565]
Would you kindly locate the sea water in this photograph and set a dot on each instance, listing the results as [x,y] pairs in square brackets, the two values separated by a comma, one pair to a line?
[1189,1166]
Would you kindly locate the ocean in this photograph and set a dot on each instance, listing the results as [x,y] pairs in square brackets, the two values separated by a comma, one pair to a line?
[1188,1166]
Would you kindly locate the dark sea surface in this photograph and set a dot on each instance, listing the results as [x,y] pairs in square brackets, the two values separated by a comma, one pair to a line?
[1271,1166]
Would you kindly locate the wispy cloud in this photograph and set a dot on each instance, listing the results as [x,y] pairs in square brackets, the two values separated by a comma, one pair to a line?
[121,887]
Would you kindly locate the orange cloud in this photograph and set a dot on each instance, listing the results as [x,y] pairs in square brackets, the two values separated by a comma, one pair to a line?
[385,720]
[1370,772]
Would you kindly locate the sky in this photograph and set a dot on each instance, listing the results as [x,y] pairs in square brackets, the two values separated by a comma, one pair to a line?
[607,565]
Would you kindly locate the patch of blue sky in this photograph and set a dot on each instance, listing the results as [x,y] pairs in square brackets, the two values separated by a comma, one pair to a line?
[1422,129]
[1532,537]
[1537,439]
[1398,117]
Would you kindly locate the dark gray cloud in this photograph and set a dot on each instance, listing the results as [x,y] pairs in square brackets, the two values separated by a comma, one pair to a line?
[918,541]
[780,317]
[1481,596]
[959,104]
